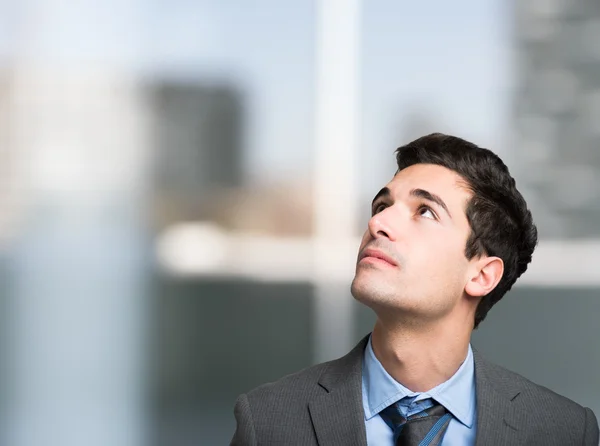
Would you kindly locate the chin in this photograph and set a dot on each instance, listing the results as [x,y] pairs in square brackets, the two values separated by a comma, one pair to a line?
[357,289]
[385,297]
[369,291]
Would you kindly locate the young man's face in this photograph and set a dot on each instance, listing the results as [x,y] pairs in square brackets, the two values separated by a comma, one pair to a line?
[419,226]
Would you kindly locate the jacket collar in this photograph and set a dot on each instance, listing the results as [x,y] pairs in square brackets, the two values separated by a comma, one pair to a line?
[338,416]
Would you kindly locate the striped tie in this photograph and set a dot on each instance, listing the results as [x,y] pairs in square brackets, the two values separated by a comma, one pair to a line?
[425,428]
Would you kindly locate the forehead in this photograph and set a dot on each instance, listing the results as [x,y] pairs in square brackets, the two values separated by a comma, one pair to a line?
[439,180]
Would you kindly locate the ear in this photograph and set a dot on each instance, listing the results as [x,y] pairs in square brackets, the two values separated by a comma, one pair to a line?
[487,272]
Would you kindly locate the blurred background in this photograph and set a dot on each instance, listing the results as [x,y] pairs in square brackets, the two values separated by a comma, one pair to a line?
[184,185]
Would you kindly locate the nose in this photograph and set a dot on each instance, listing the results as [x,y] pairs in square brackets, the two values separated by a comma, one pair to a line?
[380,227]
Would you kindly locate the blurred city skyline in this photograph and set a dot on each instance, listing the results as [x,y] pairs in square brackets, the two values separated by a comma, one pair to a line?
[267,50]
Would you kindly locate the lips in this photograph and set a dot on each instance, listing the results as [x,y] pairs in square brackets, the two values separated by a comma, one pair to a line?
[374,254]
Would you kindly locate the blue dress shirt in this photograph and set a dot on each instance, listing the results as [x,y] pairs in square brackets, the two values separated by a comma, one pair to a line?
[457,395]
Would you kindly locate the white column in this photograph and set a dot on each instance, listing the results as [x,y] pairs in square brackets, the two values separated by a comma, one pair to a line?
[78,269]
[335,165]
[78,265]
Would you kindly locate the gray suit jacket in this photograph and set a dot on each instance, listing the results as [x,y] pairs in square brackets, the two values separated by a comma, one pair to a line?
[322,405]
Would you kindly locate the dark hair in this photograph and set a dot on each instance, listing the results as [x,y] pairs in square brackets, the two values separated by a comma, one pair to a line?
[501,224]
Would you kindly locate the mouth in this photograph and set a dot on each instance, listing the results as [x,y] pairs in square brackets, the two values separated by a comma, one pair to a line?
[377,257]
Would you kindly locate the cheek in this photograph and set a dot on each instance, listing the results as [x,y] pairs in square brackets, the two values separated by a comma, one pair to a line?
[440,253]
[365,239]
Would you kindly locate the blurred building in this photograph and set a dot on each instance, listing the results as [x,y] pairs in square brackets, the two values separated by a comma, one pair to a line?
[197,138]
[197,133]
[558,113]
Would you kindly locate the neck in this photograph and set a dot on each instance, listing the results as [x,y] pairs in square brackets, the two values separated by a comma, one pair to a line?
[420,359]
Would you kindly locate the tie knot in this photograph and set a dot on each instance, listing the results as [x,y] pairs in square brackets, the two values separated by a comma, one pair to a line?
[395,414]
[434,419]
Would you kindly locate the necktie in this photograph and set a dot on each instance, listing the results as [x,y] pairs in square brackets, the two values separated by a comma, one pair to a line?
[425,428]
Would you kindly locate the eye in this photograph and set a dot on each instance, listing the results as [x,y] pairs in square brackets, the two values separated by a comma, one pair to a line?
[425,211]
[378,208]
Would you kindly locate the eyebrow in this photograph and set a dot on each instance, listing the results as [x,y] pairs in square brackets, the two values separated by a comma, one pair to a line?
[420,193]
[383,193]
[426,195]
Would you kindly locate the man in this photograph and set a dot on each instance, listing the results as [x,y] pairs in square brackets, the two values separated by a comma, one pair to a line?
[448,237]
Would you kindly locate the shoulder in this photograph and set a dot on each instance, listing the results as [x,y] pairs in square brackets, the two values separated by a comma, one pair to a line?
[291,388]
[540,396]
[282,402]
[277,412]
[538,411]
[541,409]
[302,386]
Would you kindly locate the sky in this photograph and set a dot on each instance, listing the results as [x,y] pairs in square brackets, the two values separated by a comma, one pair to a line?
[451,62]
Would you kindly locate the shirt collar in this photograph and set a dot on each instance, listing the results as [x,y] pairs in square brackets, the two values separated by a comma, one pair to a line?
[380,390]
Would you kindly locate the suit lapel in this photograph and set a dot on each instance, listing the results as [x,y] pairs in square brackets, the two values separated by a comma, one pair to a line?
[498,421]
[337,414]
